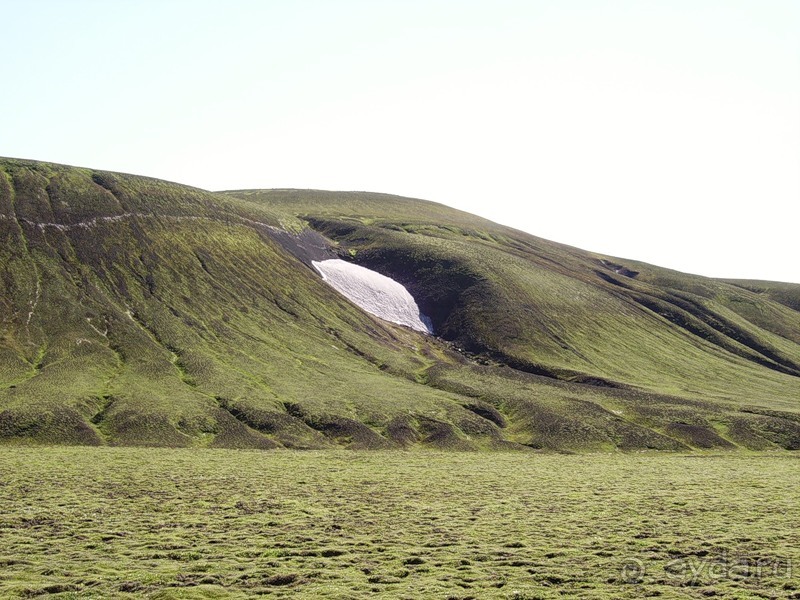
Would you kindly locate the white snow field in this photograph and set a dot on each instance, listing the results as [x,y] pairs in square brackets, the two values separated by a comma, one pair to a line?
[377,294]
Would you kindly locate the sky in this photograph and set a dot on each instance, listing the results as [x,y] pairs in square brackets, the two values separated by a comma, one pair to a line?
[666,131]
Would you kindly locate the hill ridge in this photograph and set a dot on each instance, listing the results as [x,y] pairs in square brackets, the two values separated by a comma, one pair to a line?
[139,312]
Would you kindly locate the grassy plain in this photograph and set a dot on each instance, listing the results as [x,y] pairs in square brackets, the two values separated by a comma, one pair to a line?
[202,523]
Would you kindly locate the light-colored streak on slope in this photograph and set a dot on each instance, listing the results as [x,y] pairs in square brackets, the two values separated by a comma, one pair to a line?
[377,294]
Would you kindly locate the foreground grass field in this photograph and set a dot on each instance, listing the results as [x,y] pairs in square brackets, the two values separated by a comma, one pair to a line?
[153,523]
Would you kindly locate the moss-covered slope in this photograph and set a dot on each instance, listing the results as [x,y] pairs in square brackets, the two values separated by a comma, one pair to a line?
[139,312]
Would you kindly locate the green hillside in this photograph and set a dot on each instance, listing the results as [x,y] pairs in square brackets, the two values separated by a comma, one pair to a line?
[140,312]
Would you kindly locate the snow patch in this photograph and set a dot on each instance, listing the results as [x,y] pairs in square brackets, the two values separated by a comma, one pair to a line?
[377,294]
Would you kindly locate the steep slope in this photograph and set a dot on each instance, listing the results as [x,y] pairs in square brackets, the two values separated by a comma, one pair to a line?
[572,316]
[140,312]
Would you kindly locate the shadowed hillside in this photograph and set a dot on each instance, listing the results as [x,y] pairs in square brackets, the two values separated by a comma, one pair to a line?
[140,312]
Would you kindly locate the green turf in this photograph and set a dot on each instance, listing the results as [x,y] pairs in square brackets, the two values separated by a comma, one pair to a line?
[171,523]
[138,312]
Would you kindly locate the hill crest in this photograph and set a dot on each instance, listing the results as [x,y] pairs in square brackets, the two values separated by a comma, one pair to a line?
[139,312]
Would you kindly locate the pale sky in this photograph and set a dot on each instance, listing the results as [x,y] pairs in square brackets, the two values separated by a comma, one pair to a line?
[666,131]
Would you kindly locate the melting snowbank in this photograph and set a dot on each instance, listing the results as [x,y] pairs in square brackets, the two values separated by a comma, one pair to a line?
[377,294]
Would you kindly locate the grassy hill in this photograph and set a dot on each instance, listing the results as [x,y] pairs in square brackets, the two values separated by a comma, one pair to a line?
[140,312]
